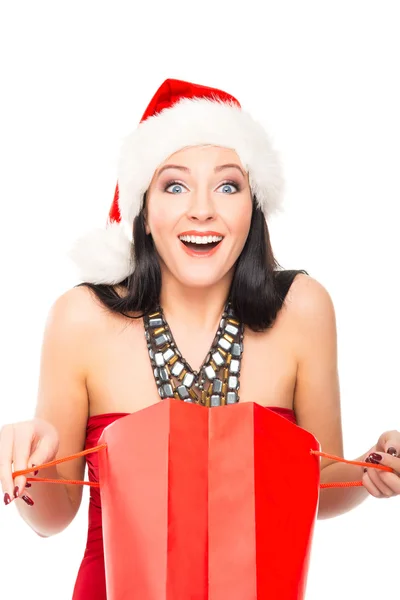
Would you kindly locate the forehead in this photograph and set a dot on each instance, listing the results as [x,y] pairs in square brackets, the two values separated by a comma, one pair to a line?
[204,153]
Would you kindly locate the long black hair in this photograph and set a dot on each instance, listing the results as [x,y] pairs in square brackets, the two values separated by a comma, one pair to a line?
[258,289]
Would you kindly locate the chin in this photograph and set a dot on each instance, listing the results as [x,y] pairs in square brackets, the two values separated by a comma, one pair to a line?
[203,278]
[200,282]
[197,273]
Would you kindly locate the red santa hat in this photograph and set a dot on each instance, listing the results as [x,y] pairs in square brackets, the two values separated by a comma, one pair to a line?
[180,115]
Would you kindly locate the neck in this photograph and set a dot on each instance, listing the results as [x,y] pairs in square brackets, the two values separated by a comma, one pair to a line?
[199,308]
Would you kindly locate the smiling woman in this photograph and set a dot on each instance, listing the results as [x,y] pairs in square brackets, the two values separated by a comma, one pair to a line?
[198,273]
[181,297]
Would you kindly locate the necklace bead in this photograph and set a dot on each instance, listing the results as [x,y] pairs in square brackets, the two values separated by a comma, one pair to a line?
[216,382]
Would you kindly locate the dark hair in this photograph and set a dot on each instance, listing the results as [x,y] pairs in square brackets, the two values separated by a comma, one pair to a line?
[258,287]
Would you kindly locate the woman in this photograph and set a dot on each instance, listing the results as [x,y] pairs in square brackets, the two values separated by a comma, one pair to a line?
[197,181]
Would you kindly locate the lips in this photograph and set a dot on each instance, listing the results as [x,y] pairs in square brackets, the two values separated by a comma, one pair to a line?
[200,250]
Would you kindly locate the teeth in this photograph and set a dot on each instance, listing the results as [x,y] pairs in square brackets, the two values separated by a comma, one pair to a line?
[200,239]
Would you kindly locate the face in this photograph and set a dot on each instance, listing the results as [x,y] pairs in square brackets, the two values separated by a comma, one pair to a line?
[201,191]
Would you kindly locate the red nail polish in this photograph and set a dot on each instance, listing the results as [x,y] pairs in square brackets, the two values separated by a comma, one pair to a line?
[28,500]
[37,471]
[365,469]
[375,457]
[16,491]
[28,485]
[7,499]
[392,451]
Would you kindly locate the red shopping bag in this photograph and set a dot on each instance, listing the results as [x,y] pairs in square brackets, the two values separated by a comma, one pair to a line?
[207,503]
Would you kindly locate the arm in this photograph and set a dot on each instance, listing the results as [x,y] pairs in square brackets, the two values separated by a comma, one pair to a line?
[63,401]
[317,393]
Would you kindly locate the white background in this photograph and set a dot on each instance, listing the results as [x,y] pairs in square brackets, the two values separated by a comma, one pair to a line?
[323,78]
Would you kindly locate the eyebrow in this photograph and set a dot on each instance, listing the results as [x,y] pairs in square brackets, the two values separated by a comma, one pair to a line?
[216,170]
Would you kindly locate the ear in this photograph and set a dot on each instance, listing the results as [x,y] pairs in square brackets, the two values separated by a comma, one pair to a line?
[146,226]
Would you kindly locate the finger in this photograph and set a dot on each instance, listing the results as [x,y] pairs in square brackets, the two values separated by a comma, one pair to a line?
[27,499]
[387,459]
[392,481]
[42,453]
[392,446]
[370,486]
[22,448]
[6,453]
[378,481]
[387,439]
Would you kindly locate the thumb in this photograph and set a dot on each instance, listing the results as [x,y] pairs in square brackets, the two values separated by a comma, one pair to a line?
[393,447]
[389,442]
[44,453]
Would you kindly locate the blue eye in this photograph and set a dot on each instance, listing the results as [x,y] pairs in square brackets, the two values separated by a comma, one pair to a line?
[176,187]
[227,185]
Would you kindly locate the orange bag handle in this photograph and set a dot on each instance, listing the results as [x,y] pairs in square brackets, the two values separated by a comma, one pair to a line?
[103,446]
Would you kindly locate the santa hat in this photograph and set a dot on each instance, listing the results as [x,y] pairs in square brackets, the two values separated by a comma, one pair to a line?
[180,115]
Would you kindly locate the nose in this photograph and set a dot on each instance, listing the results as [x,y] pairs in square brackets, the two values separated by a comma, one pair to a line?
[202,206]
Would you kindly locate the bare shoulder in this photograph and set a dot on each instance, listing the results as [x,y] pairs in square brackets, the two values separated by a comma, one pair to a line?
[310,311]
[309,299]
[312,320]
[65,349]
[77,310]
[71,325]
[78,305]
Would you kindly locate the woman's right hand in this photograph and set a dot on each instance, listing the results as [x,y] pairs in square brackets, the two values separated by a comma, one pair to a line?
[23,445]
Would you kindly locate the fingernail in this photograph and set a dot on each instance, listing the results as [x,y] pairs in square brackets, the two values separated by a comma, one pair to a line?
[16,491]
[7,499]
[392,451]
[36,472]
[365,469]
[28,500]
[375,457]
[28,485]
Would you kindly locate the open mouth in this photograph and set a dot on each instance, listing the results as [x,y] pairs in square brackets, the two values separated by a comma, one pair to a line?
[202,246]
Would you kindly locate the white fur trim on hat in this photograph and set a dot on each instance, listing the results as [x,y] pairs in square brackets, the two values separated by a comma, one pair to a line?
[105,256]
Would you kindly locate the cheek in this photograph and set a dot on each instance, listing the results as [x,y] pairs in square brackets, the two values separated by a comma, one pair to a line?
[238,221]
[162,218]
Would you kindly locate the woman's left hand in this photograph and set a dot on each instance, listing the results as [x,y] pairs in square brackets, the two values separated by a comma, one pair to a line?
[379,483]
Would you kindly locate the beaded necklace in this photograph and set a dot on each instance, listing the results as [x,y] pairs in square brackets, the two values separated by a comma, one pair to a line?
[216,383]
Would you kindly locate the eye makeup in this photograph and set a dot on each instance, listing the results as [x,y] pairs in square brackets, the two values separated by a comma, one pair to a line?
[171,182]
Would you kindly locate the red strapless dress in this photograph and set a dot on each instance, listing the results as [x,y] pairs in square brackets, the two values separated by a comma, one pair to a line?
[90,583]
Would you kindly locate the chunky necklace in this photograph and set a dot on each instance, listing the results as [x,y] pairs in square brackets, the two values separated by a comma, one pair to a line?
[216,382]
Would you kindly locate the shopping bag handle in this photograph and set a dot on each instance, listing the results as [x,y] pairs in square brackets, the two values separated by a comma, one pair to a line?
[103,446]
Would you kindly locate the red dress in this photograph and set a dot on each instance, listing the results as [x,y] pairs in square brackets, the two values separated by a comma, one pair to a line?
[90,583]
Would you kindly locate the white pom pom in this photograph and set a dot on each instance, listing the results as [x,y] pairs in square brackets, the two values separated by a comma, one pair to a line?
[103,255]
